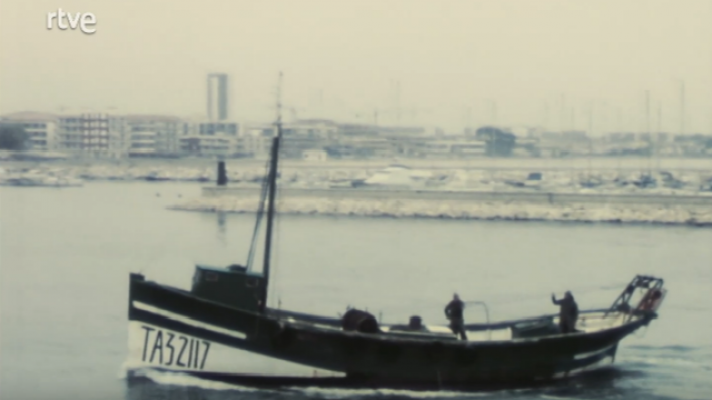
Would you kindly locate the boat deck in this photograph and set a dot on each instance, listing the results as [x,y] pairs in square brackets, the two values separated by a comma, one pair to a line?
[588,322]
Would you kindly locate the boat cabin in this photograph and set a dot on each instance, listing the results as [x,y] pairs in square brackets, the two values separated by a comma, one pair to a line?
[234,286]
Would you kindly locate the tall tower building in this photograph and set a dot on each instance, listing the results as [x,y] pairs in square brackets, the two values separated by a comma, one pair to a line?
[217,97]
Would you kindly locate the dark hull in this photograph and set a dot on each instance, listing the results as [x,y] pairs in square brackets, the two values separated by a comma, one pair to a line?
[290,382]
[375,357]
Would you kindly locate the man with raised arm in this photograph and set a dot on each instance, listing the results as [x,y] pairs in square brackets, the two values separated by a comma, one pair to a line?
[568,312]
[453,312]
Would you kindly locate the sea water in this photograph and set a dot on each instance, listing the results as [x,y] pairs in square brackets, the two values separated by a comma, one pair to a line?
[65,256]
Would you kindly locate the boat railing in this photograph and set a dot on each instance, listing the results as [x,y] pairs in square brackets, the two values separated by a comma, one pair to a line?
[487,315]
[602,320]
[649,286]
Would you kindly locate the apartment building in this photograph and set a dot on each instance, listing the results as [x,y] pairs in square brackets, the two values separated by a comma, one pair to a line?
[154,135]
[94,135]
[312,128]
[40,127]
[207,138]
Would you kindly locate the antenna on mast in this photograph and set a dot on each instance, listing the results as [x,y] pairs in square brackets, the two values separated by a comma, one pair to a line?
[562,121]
[659,135]
[682,107]
[398,106]
[590,137]
[279,105]
[648,131]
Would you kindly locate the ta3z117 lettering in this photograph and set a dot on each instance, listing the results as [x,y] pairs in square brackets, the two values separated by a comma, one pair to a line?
[169,349]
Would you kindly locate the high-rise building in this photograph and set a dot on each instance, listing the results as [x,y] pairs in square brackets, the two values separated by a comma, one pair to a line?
[217,97]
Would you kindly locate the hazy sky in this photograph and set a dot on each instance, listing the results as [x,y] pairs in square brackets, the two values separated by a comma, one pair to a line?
[151,56]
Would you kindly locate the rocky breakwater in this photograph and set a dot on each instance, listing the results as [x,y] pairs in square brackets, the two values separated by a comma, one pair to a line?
[659,210]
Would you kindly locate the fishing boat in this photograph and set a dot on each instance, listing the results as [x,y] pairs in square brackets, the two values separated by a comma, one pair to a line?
[200,331]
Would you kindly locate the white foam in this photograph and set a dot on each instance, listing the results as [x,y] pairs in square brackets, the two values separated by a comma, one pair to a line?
[667,361]
[182,379]
[349,393]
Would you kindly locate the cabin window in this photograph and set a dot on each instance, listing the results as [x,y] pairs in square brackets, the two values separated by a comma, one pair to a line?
[252,282]
[211,277]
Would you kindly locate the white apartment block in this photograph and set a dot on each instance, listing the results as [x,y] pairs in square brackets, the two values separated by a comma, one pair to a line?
[40,127]
[312,128]
[211,139]
[119,136]
[154,135]
[94,135]
[256,140]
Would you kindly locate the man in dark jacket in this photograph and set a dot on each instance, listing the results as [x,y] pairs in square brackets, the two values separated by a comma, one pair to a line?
[453,312]
[568,312]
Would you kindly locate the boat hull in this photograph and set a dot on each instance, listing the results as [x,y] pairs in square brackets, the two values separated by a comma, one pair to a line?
[210,334]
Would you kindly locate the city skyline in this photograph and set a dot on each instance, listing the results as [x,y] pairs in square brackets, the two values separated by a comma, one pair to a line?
[451,65]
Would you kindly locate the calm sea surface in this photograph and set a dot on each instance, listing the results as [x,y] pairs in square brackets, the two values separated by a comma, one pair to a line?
[65,256]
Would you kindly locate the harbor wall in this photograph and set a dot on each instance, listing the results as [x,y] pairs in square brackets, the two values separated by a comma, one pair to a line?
[471,196]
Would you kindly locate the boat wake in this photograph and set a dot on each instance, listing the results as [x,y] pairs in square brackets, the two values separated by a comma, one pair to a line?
[676,348]
[604,383]
[680,357]
[178,379]
[636,366]
[157,379]
[663,361]
[322,393]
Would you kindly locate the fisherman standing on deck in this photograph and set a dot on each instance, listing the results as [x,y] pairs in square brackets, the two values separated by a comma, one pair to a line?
[453,312]
[568,312]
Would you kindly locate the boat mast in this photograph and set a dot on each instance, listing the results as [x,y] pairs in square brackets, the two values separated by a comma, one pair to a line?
[272,189]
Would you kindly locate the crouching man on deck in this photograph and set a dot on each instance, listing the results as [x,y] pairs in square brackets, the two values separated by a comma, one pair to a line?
[453,312]
[568,312]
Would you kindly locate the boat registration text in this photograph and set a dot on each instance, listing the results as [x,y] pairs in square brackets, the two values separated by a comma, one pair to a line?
[169,349]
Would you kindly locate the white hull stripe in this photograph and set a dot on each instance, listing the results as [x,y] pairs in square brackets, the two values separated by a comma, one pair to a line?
[593,353]
[187,320]
[608,360]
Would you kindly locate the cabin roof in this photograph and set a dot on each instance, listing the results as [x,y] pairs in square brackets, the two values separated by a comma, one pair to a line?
[223,269]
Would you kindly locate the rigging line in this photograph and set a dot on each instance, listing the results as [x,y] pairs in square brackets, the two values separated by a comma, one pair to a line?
[260,214]
[575,291]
